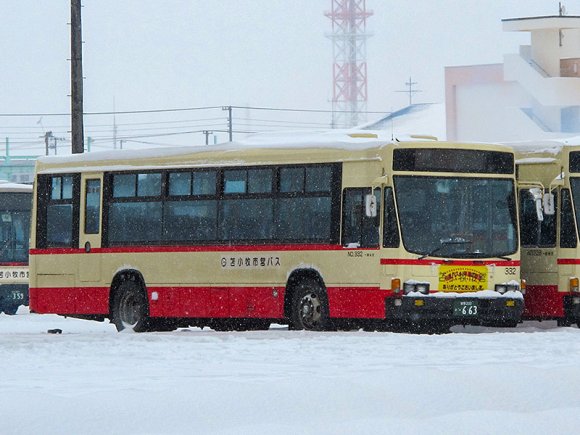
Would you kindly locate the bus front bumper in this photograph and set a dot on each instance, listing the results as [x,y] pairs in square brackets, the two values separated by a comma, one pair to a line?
[455,310]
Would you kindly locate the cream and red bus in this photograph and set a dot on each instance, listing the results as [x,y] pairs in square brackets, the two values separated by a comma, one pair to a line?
[15,208]
[549,195]
[328,231]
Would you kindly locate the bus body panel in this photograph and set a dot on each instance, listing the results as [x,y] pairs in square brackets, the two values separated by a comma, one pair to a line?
[15,210]
[248,280]
[550,262]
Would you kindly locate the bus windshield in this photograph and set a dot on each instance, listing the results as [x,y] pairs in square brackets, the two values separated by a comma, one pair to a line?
[575,185]
[14,227]
[457,217]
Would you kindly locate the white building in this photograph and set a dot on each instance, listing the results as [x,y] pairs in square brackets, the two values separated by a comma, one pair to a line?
[534,94]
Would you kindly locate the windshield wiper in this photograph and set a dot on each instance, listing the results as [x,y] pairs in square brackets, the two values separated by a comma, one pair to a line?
[478,254]
[446,242]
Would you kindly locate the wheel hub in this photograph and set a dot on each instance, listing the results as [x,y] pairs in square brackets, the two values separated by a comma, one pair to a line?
[310,310]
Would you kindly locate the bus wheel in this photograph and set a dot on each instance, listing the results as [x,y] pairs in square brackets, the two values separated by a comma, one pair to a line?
[130,308]
[309,308]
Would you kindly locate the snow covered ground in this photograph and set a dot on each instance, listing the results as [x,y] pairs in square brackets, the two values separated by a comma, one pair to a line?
[93,380]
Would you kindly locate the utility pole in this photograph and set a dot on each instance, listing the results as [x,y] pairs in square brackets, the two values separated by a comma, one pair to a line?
[410,91]
[76,46]
[114,133]
[230,129]
[207,133]
[7,159]
[47,137]
[114,127]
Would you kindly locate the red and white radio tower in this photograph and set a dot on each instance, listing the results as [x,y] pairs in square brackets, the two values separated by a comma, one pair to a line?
[349,71]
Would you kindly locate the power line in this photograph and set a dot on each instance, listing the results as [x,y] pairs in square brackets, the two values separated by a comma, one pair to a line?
[126,112]
[303,110]
[282,122]
[184,109]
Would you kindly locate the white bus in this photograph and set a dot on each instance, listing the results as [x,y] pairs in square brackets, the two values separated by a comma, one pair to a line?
[330,231]
[15,207]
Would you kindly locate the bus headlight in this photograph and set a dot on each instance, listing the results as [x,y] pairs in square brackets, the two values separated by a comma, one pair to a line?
[513,287]
[421,287]
[501,288]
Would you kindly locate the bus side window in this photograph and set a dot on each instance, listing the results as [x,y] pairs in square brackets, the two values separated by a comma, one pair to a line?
[548,228]
[535,233]
[567,226]
[390,231]
[92,206]
[529,224]
[58,203]
[358,230]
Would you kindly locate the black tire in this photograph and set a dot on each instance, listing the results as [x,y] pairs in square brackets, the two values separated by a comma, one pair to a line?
[130,309]
[564,322]
[309,307]
[10,310]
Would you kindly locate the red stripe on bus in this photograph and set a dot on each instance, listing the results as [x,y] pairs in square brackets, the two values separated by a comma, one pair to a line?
[568,260]
[197,248]
[543,302]
[403,262]
[357,302]
[13,264]
[265,302]
[69,300]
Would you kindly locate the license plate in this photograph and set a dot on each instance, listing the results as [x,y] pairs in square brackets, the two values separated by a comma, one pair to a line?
[465,308]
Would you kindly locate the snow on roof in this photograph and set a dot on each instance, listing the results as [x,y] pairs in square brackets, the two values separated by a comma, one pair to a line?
[548,147]
[423,119]
[7,186]
[353,139]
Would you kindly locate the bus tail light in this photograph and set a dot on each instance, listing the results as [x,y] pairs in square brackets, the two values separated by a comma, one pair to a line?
[574,285]
[523,286]
[396,285]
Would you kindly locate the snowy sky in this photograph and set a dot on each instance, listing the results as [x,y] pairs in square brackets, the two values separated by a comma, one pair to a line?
[161,54]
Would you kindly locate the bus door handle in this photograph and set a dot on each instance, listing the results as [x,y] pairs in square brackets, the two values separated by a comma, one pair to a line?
[88,247]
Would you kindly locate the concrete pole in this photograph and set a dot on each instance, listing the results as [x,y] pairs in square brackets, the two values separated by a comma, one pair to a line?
[78,146]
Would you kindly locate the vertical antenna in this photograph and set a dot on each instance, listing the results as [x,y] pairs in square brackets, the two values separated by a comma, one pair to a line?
[410,91]
[114,125]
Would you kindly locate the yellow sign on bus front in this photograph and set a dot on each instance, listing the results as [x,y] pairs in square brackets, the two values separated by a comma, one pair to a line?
[462,278]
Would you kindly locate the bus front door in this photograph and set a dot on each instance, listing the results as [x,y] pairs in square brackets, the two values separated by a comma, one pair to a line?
[90,228]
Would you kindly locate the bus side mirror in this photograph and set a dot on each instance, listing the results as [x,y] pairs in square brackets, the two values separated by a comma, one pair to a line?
[370,205]
[548,203]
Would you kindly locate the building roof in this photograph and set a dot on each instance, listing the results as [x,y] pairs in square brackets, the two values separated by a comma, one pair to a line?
[527,24]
